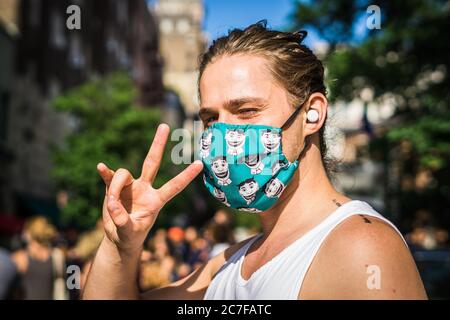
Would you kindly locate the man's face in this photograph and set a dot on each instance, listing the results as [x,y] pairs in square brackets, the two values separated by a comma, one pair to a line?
[239,89]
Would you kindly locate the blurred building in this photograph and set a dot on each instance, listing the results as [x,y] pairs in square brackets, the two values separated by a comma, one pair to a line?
[350,128]
[41,59]
[181,42]
[8,33]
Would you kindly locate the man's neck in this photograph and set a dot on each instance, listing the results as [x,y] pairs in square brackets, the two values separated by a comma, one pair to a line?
[307,200]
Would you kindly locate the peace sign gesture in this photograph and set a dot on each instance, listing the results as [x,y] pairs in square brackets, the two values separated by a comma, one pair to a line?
[131,205]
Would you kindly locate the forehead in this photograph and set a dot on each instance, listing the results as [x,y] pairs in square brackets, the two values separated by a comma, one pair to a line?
[234,77]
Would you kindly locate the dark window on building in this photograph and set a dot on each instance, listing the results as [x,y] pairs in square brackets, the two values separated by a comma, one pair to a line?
[4,110]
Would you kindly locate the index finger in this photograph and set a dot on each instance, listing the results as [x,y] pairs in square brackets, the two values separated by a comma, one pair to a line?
[154,156]
[180,181]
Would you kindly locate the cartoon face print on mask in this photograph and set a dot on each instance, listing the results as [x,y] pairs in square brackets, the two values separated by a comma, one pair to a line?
[220,196]
[207,175]
[205,144]
[235,139]
[248,189]
[271,140]
[274,188]
[254,162]
[220,169]
[277,166]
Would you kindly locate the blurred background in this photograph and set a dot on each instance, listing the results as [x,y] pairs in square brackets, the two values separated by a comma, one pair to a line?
[70,98]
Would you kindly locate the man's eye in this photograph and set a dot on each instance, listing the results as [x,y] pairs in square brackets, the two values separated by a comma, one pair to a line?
[247,112]
[209,121]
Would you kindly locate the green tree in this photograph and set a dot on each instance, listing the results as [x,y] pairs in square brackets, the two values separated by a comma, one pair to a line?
[408,58]
[109,128]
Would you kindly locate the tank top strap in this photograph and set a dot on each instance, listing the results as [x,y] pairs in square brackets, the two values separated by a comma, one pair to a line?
[243,250]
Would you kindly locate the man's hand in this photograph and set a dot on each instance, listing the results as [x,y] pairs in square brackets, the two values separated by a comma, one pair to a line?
[131,206]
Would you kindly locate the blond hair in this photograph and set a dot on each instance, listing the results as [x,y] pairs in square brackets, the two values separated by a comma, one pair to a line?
[40,229]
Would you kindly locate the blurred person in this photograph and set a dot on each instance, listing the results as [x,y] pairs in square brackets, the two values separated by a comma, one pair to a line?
[422,238]
[221,235]
[42,267]
[416,238]
[222,217]
[7,274]
[429,241]
[146,255]
[84,250]
[441,236]
[152,275]
[175,234]
[199,247]
[183,270]
[207,234]
[72,236]
[200,252]
[159,247]
[87,244]
[160,234]
[168,265]
[177,244]
[265,81]
[190,234]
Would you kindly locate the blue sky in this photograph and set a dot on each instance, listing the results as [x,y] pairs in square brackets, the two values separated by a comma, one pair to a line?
[222,15]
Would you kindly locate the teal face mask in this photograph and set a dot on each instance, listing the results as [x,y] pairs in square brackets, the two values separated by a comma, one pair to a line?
[244,165]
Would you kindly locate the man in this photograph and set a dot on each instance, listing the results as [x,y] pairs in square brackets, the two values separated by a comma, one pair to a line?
[316,243]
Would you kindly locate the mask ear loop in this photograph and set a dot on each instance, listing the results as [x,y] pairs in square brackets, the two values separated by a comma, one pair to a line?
[288,122]
[291,118]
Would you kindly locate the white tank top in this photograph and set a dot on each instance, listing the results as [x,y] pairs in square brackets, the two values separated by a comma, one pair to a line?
[281,278]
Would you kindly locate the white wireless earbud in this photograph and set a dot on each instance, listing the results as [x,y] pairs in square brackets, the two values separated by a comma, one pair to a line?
[312,115]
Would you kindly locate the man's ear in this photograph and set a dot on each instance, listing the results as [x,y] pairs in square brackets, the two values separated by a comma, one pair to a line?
[319,103]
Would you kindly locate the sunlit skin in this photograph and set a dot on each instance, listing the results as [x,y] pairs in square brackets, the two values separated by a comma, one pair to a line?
[239,89]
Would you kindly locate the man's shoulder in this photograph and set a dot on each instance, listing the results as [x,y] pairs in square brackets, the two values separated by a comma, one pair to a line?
[362,246]
[362,232]
[361,240]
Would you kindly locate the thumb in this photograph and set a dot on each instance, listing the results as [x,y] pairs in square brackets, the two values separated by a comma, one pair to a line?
[118,214]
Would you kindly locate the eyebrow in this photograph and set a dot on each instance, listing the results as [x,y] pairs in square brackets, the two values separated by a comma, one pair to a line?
[234,104]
